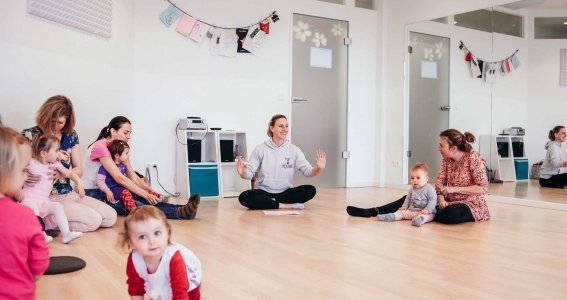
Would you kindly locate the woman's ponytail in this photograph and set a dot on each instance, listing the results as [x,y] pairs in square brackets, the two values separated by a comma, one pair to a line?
[116,123]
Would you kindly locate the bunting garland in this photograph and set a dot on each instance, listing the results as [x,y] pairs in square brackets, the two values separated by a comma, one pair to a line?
[490,71]
[225,41]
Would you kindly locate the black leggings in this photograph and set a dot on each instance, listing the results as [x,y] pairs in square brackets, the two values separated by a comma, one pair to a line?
[556,181]
[260,199]
[452,214]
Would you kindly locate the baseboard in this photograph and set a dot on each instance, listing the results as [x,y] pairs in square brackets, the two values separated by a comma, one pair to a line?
[527,202]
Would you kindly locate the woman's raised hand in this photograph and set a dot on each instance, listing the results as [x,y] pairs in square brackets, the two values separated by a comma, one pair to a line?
[241,167]
[321,159]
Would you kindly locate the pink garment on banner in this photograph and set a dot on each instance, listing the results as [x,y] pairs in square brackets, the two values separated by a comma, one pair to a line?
[39,193]
[185,25]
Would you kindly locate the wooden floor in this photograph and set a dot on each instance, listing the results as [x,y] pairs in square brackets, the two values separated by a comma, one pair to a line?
[325,254]
[529,189]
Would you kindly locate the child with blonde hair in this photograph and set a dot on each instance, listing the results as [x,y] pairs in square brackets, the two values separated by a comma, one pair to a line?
[25,255]
[45,153]
[419,205]
[156,266]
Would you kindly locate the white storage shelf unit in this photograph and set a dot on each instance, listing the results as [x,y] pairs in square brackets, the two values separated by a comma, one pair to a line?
[231,183]
[205,163]
[504,154]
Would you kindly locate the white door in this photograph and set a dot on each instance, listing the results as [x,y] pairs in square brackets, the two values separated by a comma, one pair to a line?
[428,98]
[319,95]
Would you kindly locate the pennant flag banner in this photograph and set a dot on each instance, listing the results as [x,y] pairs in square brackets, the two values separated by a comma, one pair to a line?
[225,41]
[490,71]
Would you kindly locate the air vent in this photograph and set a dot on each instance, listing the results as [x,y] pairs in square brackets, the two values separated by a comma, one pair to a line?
[91,16]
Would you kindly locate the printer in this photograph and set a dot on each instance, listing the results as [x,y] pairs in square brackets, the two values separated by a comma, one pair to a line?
[192,123]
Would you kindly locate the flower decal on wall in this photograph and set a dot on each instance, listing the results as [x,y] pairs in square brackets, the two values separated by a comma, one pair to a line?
[301,31]
[337,30]
[437,53]
[319,39]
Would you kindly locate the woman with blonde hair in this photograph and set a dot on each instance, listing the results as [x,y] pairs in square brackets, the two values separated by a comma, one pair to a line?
[56,117]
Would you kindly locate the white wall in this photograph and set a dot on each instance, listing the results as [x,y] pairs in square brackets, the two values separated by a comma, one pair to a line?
[547,106]
[39,59]
[154,76]
[398,13]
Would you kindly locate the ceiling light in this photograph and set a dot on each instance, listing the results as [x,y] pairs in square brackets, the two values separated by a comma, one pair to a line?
[565,23]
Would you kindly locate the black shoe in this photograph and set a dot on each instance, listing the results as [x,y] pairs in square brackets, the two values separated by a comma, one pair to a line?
[362,212]
[52,232]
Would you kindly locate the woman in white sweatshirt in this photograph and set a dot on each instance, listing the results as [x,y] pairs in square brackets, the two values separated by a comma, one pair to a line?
[276,160]
[551,175]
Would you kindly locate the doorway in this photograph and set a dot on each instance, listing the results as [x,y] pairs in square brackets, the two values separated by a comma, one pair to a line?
[319,95]
[429,105]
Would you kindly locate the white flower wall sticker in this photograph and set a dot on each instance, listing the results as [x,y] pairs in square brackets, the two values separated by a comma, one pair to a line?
[337,30]
[301,31]
[319,39]
[437,53]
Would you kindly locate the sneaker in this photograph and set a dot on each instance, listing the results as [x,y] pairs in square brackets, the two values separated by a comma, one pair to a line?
[71,236]
[52,232]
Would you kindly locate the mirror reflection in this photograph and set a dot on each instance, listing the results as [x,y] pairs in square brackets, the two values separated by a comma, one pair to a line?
[495,73]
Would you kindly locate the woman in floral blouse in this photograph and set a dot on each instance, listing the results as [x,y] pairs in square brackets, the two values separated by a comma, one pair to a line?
[56,116]
[461,184]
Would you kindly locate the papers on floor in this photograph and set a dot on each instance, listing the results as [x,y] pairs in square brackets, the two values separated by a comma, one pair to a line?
[282,213]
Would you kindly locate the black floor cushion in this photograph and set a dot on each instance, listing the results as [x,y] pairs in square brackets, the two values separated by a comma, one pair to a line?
[64,264]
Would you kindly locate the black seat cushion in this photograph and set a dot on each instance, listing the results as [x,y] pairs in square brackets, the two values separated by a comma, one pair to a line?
[64,264]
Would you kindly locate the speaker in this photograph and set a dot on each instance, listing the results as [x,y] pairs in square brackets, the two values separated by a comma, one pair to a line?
[193,150]
[226,152]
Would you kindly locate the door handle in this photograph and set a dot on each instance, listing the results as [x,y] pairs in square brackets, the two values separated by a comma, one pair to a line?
[298,99]
[445,108]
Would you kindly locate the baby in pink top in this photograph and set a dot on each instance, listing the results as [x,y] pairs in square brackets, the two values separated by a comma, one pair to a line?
[45,152]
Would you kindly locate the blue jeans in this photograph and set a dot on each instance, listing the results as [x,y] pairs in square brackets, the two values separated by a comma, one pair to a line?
[170,210]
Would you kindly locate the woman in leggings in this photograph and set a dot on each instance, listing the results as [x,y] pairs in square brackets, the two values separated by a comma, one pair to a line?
[551,175]
[276,160]
[461,185]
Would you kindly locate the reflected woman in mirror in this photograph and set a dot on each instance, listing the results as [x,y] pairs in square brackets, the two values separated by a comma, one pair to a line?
[461,184]
[550,174]
[276,160]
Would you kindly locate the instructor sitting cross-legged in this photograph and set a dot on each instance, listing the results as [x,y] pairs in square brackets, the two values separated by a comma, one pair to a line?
[276,160]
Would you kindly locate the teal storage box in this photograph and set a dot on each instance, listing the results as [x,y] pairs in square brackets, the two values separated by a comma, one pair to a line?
[204,179]
[522,166]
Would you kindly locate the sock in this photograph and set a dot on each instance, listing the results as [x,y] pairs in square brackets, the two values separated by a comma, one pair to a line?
[298,206]
[189,210]
[128,200]
[362,212]
[418,221]
[71,236]
[387,217]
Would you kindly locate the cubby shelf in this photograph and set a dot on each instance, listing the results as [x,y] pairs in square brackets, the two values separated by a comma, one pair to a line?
[505,156]
[205,163]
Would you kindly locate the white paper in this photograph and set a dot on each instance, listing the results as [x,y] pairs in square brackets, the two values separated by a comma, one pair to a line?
[428,69]
[282,212]
[321,58]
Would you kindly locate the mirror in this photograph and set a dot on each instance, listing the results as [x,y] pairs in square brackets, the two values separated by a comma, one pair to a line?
[522,90]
